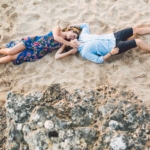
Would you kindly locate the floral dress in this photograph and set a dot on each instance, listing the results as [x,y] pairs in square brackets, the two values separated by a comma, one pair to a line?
[36,47]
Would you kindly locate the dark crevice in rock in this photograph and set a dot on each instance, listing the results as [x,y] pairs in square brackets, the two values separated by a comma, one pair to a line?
[53,134]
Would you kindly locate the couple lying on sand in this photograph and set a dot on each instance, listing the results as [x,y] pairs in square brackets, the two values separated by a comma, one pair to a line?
[96,48]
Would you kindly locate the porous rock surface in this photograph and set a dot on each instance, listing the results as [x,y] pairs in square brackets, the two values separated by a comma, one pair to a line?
[101,119]
[3,127]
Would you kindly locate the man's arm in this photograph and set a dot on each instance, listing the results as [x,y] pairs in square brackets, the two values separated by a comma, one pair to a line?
[99,59]
[107,56]
[93,57]
[112,52]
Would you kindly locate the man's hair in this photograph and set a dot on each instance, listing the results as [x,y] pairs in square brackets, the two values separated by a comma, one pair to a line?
[68,48]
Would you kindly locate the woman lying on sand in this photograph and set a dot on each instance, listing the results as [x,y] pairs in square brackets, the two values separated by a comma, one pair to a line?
[33,48]
[98,48]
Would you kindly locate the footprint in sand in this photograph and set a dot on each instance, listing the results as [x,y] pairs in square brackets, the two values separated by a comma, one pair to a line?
[141,78]
[146,1]
[5,5]
[5,85]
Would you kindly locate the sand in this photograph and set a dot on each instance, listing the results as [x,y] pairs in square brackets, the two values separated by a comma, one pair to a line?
[129,71]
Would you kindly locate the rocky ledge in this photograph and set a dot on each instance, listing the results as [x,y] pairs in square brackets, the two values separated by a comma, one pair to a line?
[3,127]
[101,119]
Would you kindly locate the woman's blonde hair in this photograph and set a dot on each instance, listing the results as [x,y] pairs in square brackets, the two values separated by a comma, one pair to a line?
[76,30]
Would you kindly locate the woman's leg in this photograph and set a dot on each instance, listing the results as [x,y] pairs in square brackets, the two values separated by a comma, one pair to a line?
[8,58]
[142,45]
[14,50]
[141,31]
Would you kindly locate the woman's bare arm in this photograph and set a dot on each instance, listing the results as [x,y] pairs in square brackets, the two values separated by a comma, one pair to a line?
[59,54]
[56,31]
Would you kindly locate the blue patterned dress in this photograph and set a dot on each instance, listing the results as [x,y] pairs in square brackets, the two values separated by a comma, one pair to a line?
[36,48]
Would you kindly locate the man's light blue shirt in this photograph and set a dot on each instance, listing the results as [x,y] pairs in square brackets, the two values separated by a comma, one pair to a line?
[94,47]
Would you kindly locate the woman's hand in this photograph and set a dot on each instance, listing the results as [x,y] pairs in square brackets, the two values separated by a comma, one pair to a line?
[73,51]
[73,44]
[114,51]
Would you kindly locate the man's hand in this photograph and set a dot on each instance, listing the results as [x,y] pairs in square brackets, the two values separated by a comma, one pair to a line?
[114,51]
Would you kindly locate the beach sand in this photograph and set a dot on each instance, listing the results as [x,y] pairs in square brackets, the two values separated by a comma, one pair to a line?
[129,71]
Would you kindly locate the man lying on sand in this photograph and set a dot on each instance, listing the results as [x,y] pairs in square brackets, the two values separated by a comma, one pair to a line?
[98,48]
